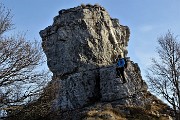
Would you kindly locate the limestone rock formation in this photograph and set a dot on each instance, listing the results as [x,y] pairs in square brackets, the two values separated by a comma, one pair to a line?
[82,39]
[81,46]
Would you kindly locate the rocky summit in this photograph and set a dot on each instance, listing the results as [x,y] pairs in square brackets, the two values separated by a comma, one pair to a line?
[81,47]
[82,39]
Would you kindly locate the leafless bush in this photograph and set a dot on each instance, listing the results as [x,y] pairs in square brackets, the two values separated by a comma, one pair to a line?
[21,74]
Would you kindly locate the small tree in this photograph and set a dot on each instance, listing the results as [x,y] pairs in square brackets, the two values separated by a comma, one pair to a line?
[21,80]
[5,19]
[164,74]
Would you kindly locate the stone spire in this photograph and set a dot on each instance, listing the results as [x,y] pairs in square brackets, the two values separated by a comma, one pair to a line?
[82,38]
[81,46]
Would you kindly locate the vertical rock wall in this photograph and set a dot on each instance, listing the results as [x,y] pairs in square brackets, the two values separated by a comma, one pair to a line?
[81,46]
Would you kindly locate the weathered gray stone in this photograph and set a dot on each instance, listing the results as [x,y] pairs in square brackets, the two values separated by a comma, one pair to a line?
[83,39]
[77,90]
[81,46]
[101,84]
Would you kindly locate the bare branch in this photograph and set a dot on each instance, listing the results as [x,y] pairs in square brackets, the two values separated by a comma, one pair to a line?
[5,19]
[164,73]
[21,80]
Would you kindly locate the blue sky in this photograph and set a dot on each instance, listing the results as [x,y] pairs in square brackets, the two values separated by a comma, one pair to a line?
[147,20]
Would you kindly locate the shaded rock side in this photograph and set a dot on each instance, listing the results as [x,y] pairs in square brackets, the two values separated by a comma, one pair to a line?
[100,85]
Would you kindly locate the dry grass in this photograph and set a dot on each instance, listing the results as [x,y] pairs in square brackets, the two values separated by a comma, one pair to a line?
[109,112]
[103,115]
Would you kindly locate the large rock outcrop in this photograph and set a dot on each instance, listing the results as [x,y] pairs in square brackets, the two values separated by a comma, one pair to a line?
[81,46]
[82,39]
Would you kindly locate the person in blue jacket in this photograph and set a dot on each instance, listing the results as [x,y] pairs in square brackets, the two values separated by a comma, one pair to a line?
[120,68]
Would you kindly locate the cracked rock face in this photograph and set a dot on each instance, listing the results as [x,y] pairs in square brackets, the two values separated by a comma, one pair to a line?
[81,46]
[83,38]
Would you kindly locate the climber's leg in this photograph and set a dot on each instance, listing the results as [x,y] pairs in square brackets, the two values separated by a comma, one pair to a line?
[122,74]
[117,72]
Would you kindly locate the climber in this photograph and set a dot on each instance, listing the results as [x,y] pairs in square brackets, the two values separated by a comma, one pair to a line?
[120,68]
